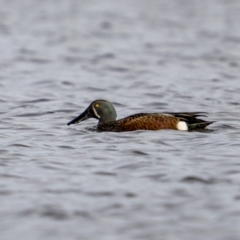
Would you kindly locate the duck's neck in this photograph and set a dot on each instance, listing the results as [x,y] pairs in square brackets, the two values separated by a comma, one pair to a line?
[107,119]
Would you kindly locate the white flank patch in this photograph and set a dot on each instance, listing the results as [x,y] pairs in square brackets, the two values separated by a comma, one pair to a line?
[182,126]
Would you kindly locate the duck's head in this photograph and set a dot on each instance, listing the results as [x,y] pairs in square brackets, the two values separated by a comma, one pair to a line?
[99,109]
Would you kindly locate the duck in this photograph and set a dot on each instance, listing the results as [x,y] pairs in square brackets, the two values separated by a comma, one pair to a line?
[105,113]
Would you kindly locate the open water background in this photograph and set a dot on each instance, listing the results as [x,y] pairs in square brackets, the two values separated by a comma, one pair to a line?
[60,182]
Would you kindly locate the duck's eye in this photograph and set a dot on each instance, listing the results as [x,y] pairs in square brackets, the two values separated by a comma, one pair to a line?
[96,105]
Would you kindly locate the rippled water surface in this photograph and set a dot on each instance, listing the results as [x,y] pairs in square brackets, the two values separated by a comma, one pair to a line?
[61,182]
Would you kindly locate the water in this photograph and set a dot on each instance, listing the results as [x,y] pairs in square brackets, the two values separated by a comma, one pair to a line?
[61,182]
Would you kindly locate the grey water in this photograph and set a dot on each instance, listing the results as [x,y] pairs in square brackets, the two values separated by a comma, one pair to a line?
[67,182]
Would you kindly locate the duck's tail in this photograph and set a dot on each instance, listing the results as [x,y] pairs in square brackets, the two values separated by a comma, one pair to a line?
[199,125]
[192,120]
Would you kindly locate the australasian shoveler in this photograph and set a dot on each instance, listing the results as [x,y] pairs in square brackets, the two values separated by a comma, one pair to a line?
[106,114]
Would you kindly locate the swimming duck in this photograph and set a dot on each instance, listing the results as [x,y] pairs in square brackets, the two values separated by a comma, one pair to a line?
[105,112]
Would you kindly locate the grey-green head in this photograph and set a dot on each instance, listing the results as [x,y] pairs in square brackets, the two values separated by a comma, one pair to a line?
[99,109]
